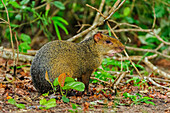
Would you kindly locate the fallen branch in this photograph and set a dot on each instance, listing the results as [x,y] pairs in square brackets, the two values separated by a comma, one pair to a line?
[158,85]
[119,78]
[155,69]
[100,80]
[9,55]
[147,78]
[148,63]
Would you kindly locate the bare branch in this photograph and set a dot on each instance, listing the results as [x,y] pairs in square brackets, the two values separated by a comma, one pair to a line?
[160,39]
[8,55]
[115,9]
[155,69]
[156,84]
[147,50]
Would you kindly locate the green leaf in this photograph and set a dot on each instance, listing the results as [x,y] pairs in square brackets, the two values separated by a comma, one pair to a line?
[14,25]
[14,4]
[45,94]
[149,102]
[24,2]
[41,107]
[79,86]
[57,31]
[57,18]
[43,101]
[25,38]
[21,106]
[130,20]
[1,5]
[159,11]
[69,79]
[50,103]
[18,17]
[55,83]
[63,27]
[126,11]
[23,47]
[59,5]
[65,99]
[74,106]
[12,101]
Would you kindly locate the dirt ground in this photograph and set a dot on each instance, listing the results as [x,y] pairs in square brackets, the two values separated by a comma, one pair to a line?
[24,92]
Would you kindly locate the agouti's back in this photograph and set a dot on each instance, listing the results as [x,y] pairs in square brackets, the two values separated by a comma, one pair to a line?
[77,60]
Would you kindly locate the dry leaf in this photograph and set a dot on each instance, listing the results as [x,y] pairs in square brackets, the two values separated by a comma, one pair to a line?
[61,79]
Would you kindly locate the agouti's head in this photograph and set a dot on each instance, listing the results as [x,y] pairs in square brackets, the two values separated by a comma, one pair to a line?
[107,44]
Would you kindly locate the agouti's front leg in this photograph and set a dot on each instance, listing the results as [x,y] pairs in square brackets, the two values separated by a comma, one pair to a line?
[86,78]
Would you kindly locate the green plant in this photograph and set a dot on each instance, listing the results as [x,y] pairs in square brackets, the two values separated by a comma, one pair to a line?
[47,104]
[13,102]
[109,64]
[57,22]
[24,45]
[137,81]
[138,99]
[25,10]
[103,75]
[67,83]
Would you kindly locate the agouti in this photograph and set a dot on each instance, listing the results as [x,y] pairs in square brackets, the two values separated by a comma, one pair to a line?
[78,60]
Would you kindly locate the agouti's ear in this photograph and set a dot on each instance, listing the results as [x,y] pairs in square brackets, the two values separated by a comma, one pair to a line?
[97,37]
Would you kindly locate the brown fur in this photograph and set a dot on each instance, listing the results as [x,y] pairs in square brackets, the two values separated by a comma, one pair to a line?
[77,60]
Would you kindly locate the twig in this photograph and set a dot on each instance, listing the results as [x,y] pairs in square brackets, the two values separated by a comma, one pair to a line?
[114,6]
[119,78]
[82,26]
[12,44]
[96,10]
[118,73]
[115,10]
[162,44]
[100,80]
[135,30]
[4,20]
[148,63]
[158,85]
[160,39]
[154,20]
[18,11]
[126,24]
[85,31]
[94,25]
[148,78]
[125,51]
[157,79]
[155,69]
[16,61]
[100,10]
[97,19]
[30,22]
[147,50]
[136,58]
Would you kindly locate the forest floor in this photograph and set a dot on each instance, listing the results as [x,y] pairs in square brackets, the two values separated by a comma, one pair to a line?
[23,91]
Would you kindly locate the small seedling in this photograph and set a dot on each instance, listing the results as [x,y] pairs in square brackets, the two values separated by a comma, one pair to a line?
[13,102]
[47,104]
[138,99]
[67,83]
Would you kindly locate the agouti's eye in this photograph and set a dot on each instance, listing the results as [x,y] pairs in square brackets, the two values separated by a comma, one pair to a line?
[108,41]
